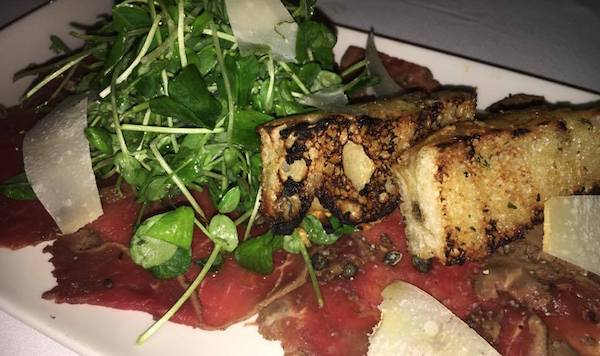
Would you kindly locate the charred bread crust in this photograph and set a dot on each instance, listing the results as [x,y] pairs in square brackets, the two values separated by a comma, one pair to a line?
[473,187]
[302,155]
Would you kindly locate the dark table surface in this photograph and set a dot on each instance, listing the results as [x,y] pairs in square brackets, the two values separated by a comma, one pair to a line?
[557,40]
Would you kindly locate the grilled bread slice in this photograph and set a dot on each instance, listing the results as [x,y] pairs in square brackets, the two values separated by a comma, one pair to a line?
[343,160]
[473,187]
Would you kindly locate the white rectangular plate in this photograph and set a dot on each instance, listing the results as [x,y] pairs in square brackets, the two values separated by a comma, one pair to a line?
[91,330]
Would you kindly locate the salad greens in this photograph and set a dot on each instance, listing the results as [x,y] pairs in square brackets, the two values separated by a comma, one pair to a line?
[173,107]
[18,188]
[256,254]
[163,243]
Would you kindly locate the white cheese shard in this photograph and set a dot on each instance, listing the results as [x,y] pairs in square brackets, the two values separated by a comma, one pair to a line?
[415,323]
[259,24]
[387,86]
[358,167]
[58,166]
[572,230]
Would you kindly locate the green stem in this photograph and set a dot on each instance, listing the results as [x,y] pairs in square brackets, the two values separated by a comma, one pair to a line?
[47,67]
[202,228]
[184,297]
[254,213]
[221,35]
[269,96]
[127,72]
[353,68]
[176,180]
[230,104]
[115,114]
[243,217]
[57,73]
[170,130]
[180,40]
[64,82]
[87,37]
[311,273]
[295,78]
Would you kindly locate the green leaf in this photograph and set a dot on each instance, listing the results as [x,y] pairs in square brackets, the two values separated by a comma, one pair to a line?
[58,45]
[340,229]
[157,188]
[319,40]
[200,23]
[178,264]
[230,200]
[292,243]
[256,254]
[246,73]
[162,243]
[188,89]
[315,231]
[168,107]
[304,10]
[149,252]
[308,73]
[116,50]
[175,227]
[223,232]
[205,60]
[245,125]
[17,188]
[127,18]
[130,169]
[100,139]
[325,79]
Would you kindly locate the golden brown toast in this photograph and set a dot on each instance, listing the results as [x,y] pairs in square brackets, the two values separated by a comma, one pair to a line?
[473,187]
[303,156]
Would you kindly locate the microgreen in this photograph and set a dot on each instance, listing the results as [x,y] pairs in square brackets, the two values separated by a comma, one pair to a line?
[176,112]
[17,188]
[162,243]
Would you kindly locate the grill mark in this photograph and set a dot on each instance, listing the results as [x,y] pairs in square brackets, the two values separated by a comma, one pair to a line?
[291,187]
[520,132]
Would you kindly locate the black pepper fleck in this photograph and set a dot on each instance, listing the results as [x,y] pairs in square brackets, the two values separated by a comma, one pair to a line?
[107,283]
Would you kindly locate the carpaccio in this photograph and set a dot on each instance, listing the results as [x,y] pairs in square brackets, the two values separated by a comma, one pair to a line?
[552,313]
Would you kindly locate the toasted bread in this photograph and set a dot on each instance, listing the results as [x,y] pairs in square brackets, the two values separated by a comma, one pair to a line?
[303,155]
[473,187]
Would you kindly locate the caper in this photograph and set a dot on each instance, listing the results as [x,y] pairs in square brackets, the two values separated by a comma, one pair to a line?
[349,270]
[421,265]
[392,258]
[319,261]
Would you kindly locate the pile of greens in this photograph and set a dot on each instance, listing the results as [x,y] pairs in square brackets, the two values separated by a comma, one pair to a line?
[173,109]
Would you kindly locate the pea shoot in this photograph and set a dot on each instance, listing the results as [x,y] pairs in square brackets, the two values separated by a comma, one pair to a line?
[175,112]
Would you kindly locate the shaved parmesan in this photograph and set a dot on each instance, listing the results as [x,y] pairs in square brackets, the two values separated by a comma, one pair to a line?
[572,230]
[328,99]
[259,24]
[387,86]
[415,323]
[58,165]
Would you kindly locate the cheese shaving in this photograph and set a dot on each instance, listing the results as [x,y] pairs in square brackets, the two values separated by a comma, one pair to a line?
[263,24]
[572,230]
[57,162]
[415,323]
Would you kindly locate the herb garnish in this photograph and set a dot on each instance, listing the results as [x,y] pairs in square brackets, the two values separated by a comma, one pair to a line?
[176,112]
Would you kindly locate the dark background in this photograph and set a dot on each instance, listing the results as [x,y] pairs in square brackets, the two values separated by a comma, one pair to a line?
[553,39]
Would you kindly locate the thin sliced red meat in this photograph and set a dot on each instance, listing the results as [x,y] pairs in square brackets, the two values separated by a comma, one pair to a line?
[350,312]
[93,266]
[22,222]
